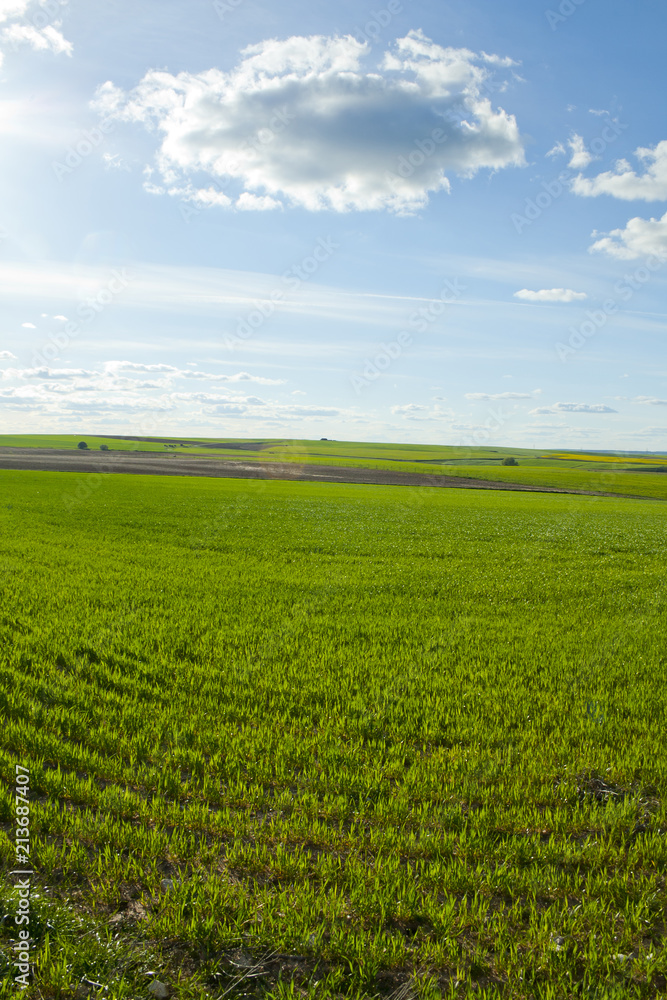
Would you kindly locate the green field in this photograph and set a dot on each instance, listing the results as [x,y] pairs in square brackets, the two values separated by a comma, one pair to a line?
[628,475]
[300,739]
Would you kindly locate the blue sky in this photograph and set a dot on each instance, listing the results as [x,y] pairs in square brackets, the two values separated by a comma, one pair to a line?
[408,221]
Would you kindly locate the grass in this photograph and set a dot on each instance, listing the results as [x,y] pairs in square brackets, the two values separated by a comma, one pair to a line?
[290,739]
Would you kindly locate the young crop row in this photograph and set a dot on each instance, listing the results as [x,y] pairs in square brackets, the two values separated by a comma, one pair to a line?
[299,739]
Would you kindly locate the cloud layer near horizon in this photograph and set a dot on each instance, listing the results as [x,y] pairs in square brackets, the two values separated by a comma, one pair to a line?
[574,408]
[300,122]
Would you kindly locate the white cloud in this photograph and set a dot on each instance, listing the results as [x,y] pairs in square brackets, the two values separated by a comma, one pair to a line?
[12,8]
[210,397]
[573,408]
[581,157]
[557,150]
[66,400]
[49,38]
[227,409]
[307,411]
[409,410]
[28,23]
[238,377]
[113,161]
[7,356]
[625,183]
[550,295]
[111,378]
[301,122]
[256,203]
[28,326]
[640,238]
[57,373]
[416,411]
[650,401]
[498,395]
[132,366]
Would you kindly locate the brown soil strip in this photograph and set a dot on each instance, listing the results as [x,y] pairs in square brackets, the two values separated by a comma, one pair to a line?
[148,463]
[187,443]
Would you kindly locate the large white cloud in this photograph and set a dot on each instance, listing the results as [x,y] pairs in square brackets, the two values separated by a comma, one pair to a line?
[625,183]
[550,295]
[301,122]
[640,238]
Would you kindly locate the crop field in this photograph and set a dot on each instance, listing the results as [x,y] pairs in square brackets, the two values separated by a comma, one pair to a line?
[311,740]
[633,475]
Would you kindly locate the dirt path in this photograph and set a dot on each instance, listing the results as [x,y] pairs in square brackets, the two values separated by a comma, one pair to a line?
[148,463]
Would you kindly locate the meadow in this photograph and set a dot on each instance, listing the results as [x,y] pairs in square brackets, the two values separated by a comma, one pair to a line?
[301,739]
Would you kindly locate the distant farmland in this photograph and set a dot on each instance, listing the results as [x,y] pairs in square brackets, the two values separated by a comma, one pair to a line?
[627,475]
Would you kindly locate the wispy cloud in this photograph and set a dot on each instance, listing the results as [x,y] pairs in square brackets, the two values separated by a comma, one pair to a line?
[550,295]
[501,395]
[650,401]
[573,408]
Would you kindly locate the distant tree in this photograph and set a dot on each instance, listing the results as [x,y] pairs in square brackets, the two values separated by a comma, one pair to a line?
[104,447]
[82,445]
[510,461]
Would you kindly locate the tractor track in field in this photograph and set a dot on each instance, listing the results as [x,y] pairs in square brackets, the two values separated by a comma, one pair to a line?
[148,463]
